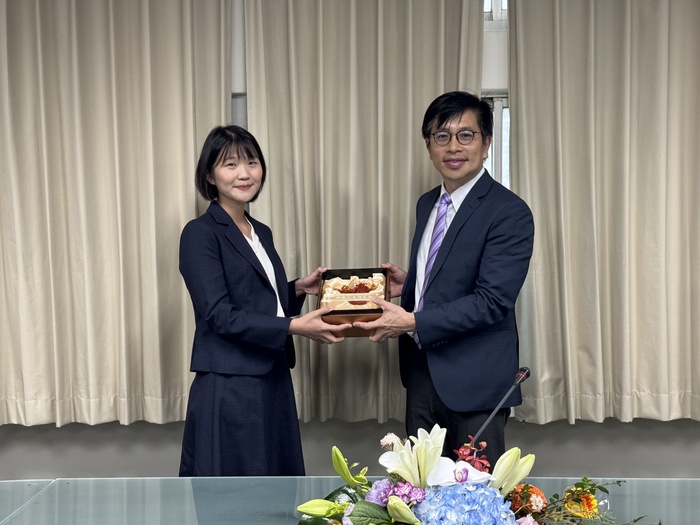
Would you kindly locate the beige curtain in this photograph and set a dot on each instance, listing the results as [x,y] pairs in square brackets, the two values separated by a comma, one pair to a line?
[336,95]
[604,144]
[103,108]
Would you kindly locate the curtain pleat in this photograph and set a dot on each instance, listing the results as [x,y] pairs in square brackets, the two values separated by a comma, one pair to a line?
[104,106]
[336,96]
[604,148]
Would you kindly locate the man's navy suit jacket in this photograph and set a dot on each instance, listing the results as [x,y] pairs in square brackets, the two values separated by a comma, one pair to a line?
[467,326]
[236,327]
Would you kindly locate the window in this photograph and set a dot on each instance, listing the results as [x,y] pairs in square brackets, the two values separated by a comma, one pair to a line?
[498,163]
[495,87]
[495,10]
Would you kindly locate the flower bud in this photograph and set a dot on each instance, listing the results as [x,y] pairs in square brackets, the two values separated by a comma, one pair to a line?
[504,465]
[340,465]
[317,507]
[401,512]
[518,473]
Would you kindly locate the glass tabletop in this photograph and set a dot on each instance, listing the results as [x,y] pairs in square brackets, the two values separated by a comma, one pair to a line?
[668,500]
[271,501]
[15,494]
[108,501]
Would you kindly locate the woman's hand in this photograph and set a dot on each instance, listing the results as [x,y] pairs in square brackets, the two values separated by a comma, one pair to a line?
[312,326]
[309,285]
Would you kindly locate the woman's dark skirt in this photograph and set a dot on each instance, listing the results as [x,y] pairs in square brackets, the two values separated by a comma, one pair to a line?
[242,426]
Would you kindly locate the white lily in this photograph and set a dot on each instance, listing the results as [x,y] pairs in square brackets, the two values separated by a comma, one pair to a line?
[402,463]
[503,466]
[518,473]
[446,472]
[428,449]
[414,462]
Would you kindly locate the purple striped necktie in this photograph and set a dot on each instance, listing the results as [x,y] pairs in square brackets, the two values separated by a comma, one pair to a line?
[435,242]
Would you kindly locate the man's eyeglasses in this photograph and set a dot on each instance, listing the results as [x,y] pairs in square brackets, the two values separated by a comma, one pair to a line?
[464,137]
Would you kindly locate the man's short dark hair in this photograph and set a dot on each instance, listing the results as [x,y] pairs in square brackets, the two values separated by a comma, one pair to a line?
[453,104]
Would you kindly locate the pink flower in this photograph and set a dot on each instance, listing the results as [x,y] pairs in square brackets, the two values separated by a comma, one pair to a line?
[461,475]
[388,441]
[526,520]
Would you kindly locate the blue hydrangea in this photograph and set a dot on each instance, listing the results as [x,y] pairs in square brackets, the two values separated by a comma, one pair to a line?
[464,504]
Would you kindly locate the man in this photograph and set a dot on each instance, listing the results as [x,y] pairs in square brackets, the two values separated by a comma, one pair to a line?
[458,340]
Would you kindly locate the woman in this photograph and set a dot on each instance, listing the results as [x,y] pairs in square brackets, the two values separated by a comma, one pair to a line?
[241,414]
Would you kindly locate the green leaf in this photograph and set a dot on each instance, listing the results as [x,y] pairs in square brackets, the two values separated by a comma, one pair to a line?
[344,494]
[367,513]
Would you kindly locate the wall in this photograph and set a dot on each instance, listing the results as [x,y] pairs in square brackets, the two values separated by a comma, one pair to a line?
[612,449]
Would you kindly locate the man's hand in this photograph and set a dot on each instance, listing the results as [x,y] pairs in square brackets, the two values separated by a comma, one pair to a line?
[309,285]
[393,322]
[397,276]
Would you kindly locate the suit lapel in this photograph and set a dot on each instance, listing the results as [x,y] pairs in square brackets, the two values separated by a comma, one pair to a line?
[422,213]
[235,237]
[471,203]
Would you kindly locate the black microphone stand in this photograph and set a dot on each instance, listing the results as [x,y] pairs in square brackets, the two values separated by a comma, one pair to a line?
[522,375]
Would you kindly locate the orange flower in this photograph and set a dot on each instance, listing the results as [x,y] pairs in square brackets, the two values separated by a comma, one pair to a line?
[581,504]
[526,499]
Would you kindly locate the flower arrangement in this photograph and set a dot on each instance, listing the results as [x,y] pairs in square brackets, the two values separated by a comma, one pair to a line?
[422,488]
